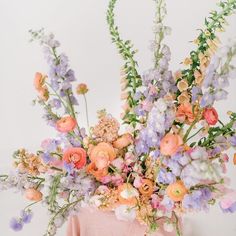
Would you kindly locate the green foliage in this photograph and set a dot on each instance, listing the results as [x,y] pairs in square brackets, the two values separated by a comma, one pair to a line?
[214,23]
[126,50]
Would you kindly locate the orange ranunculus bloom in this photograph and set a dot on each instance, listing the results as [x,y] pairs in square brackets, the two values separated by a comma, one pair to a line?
[185,113]
[147,187]
[33,194]
[124,141]
[97,173]
[77,156]
[211,116]
[66,124]
[102,155]
[127,194]
[176,191]
[170,144]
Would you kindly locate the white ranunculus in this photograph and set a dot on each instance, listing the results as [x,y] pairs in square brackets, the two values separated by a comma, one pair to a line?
[125,213]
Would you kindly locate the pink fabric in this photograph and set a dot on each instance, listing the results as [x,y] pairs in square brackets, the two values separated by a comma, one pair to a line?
[91,222]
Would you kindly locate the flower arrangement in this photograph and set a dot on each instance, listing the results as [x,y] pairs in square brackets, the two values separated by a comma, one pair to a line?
[169,158]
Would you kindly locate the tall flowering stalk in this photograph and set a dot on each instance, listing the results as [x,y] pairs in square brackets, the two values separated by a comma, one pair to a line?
[207,44]
[131,79]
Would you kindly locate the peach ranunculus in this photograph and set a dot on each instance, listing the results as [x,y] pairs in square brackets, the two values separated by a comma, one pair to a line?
[170,144]
[176,191]
[66,124]
[39,84]
[97,173]
[33,194]
[210,115]
[75,155]
[127,194]
[102,155]
[124,141]
[44,93]
[185,113]
[146,188]
[39,81]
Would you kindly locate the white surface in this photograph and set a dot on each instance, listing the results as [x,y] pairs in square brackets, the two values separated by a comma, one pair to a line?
[81,28]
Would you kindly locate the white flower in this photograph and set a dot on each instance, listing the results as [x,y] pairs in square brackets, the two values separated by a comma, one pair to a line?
[96,200]
[168,227]
[199,153]
[125,213]
[129,192]
[161,105]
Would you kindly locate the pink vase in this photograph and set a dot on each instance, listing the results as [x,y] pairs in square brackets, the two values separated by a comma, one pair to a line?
[91,222]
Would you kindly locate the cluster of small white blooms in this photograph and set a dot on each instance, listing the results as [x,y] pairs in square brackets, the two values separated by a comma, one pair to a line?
[161,116]
[201,169]
[15,181]
[81,184]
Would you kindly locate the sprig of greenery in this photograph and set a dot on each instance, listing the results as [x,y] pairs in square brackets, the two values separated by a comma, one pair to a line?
[214,23]
[52,198]
[214,132]
[127,52]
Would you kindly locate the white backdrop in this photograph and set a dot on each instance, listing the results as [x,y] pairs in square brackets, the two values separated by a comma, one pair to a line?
[81,27]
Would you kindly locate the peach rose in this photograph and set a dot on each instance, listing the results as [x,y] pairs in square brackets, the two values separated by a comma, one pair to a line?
[211,116]
[127,194]
[66,124]
[98,174]
[124,141]
[77,156]
[102,155]
[176,191]
[33,195]
[170,144]
[185,113]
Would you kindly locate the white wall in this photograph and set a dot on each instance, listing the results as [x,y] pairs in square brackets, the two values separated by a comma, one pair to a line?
[80,26]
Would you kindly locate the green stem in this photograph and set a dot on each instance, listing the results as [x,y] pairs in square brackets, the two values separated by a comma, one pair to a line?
[178,233]
[194,134]
[189,130]
[125,49]
[86,109]
[58,96]
[28,206]
[65,207]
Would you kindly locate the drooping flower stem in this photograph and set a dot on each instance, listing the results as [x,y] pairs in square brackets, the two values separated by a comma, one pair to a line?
[125,49]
